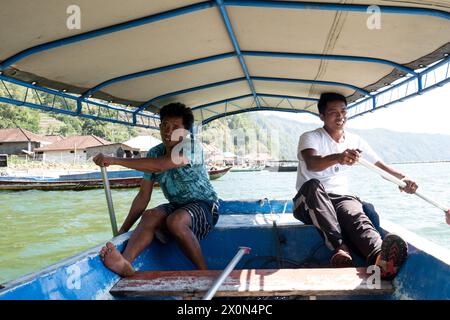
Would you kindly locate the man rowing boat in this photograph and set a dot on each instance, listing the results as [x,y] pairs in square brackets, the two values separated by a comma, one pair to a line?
[323,198]
[178,166]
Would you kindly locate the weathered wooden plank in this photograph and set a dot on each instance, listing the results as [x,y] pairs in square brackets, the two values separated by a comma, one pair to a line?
[252,282]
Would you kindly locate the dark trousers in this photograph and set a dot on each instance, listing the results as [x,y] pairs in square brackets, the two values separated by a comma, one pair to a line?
[339,218]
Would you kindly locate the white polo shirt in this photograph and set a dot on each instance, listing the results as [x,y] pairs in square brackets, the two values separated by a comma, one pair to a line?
[335,178]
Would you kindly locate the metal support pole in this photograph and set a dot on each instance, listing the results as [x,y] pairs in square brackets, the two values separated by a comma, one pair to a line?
[112,215]
[212,291]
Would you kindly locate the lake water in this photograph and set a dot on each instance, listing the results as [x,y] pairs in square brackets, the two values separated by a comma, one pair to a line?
[39,228]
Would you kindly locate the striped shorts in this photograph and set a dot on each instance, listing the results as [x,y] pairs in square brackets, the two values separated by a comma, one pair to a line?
[204,215]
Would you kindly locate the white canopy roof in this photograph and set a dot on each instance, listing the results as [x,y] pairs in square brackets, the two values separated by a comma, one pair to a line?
[220,57]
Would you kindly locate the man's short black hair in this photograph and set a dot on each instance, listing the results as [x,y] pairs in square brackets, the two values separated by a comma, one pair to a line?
[328,97]
[177,109]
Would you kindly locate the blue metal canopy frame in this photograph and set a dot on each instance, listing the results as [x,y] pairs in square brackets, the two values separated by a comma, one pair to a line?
[237,49]
[104,31]
[269,79]
[259,54]
[250,95]
[155,71]
[35,96]
[337,7]
[255,109]
[256,54]
[208,4]
[221,4]
[435,76]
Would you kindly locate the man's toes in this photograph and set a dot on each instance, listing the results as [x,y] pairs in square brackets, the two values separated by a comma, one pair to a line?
[103,251]
[109,244]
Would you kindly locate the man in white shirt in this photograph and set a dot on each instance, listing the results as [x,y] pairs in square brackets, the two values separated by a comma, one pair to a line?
[323,199]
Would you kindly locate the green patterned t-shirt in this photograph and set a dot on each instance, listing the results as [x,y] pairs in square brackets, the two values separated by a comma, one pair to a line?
[188,183]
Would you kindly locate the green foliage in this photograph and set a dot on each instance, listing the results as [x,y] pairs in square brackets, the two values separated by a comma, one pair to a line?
[102,129]
[17,116]
[14,117]
[22,117]
[223,134]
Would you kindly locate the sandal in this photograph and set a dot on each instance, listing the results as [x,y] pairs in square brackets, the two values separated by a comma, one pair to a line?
[342,259]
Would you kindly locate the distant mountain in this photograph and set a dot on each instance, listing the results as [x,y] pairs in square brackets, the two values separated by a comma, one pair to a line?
[391,146]
[395,146]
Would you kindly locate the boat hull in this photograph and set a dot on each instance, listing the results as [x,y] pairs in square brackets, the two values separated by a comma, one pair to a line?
[117,180]
[425,275]
[76,185]
[282,169]
[216,174]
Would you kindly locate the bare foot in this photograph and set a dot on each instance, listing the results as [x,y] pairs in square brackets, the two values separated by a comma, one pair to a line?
[114,261]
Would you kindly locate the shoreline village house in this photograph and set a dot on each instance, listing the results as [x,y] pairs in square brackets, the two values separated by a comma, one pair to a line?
[143,144]
[213,155]
[17,141]
[121,150]
[70,149]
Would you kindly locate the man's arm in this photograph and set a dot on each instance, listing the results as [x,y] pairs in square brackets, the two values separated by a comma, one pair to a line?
[316,162]
[159,164]
[138,206]
[411,186]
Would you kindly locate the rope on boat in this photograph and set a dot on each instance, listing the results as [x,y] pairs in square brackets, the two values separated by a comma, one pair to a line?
[279,241]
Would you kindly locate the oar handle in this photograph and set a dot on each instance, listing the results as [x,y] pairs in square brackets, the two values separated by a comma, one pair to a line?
[382,173]
[400,183]
[112,215]
[212,291]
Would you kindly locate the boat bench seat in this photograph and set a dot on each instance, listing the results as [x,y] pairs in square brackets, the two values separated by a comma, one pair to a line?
[253,282]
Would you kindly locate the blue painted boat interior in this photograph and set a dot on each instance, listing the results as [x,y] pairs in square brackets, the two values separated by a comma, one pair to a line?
[285,244]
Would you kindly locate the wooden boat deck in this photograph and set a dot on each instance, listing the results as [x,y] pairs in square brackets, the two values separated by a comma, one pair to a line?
[253,282]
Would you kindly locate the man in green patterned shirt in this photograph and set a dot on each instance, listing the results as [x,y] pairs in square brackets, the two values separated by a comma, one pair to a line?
[178,166]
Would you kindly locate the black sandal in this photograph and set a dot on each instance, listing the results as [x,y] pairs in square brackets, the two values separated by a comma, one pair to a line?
[342,259]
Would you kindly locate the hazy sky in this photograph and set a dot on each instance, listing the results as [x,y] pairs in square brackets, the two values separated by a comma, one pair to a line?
[428,113]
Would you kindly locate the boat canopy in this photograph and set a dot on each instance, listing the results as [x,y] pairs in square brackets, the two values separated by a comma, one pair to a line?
[121,62]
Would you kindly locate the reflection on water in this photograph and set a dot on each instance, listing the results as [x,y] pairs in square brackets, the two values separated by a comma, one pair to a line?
[40,228]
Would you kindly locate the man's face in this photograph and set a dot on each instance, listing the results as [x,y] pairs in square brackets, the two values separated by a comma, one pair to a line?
[335,115]
[167,128]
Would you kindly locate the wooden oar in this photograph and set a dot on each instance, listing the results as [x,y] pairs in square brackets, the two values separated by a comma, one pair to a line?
[402,184]
[112,215]
[212,291]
